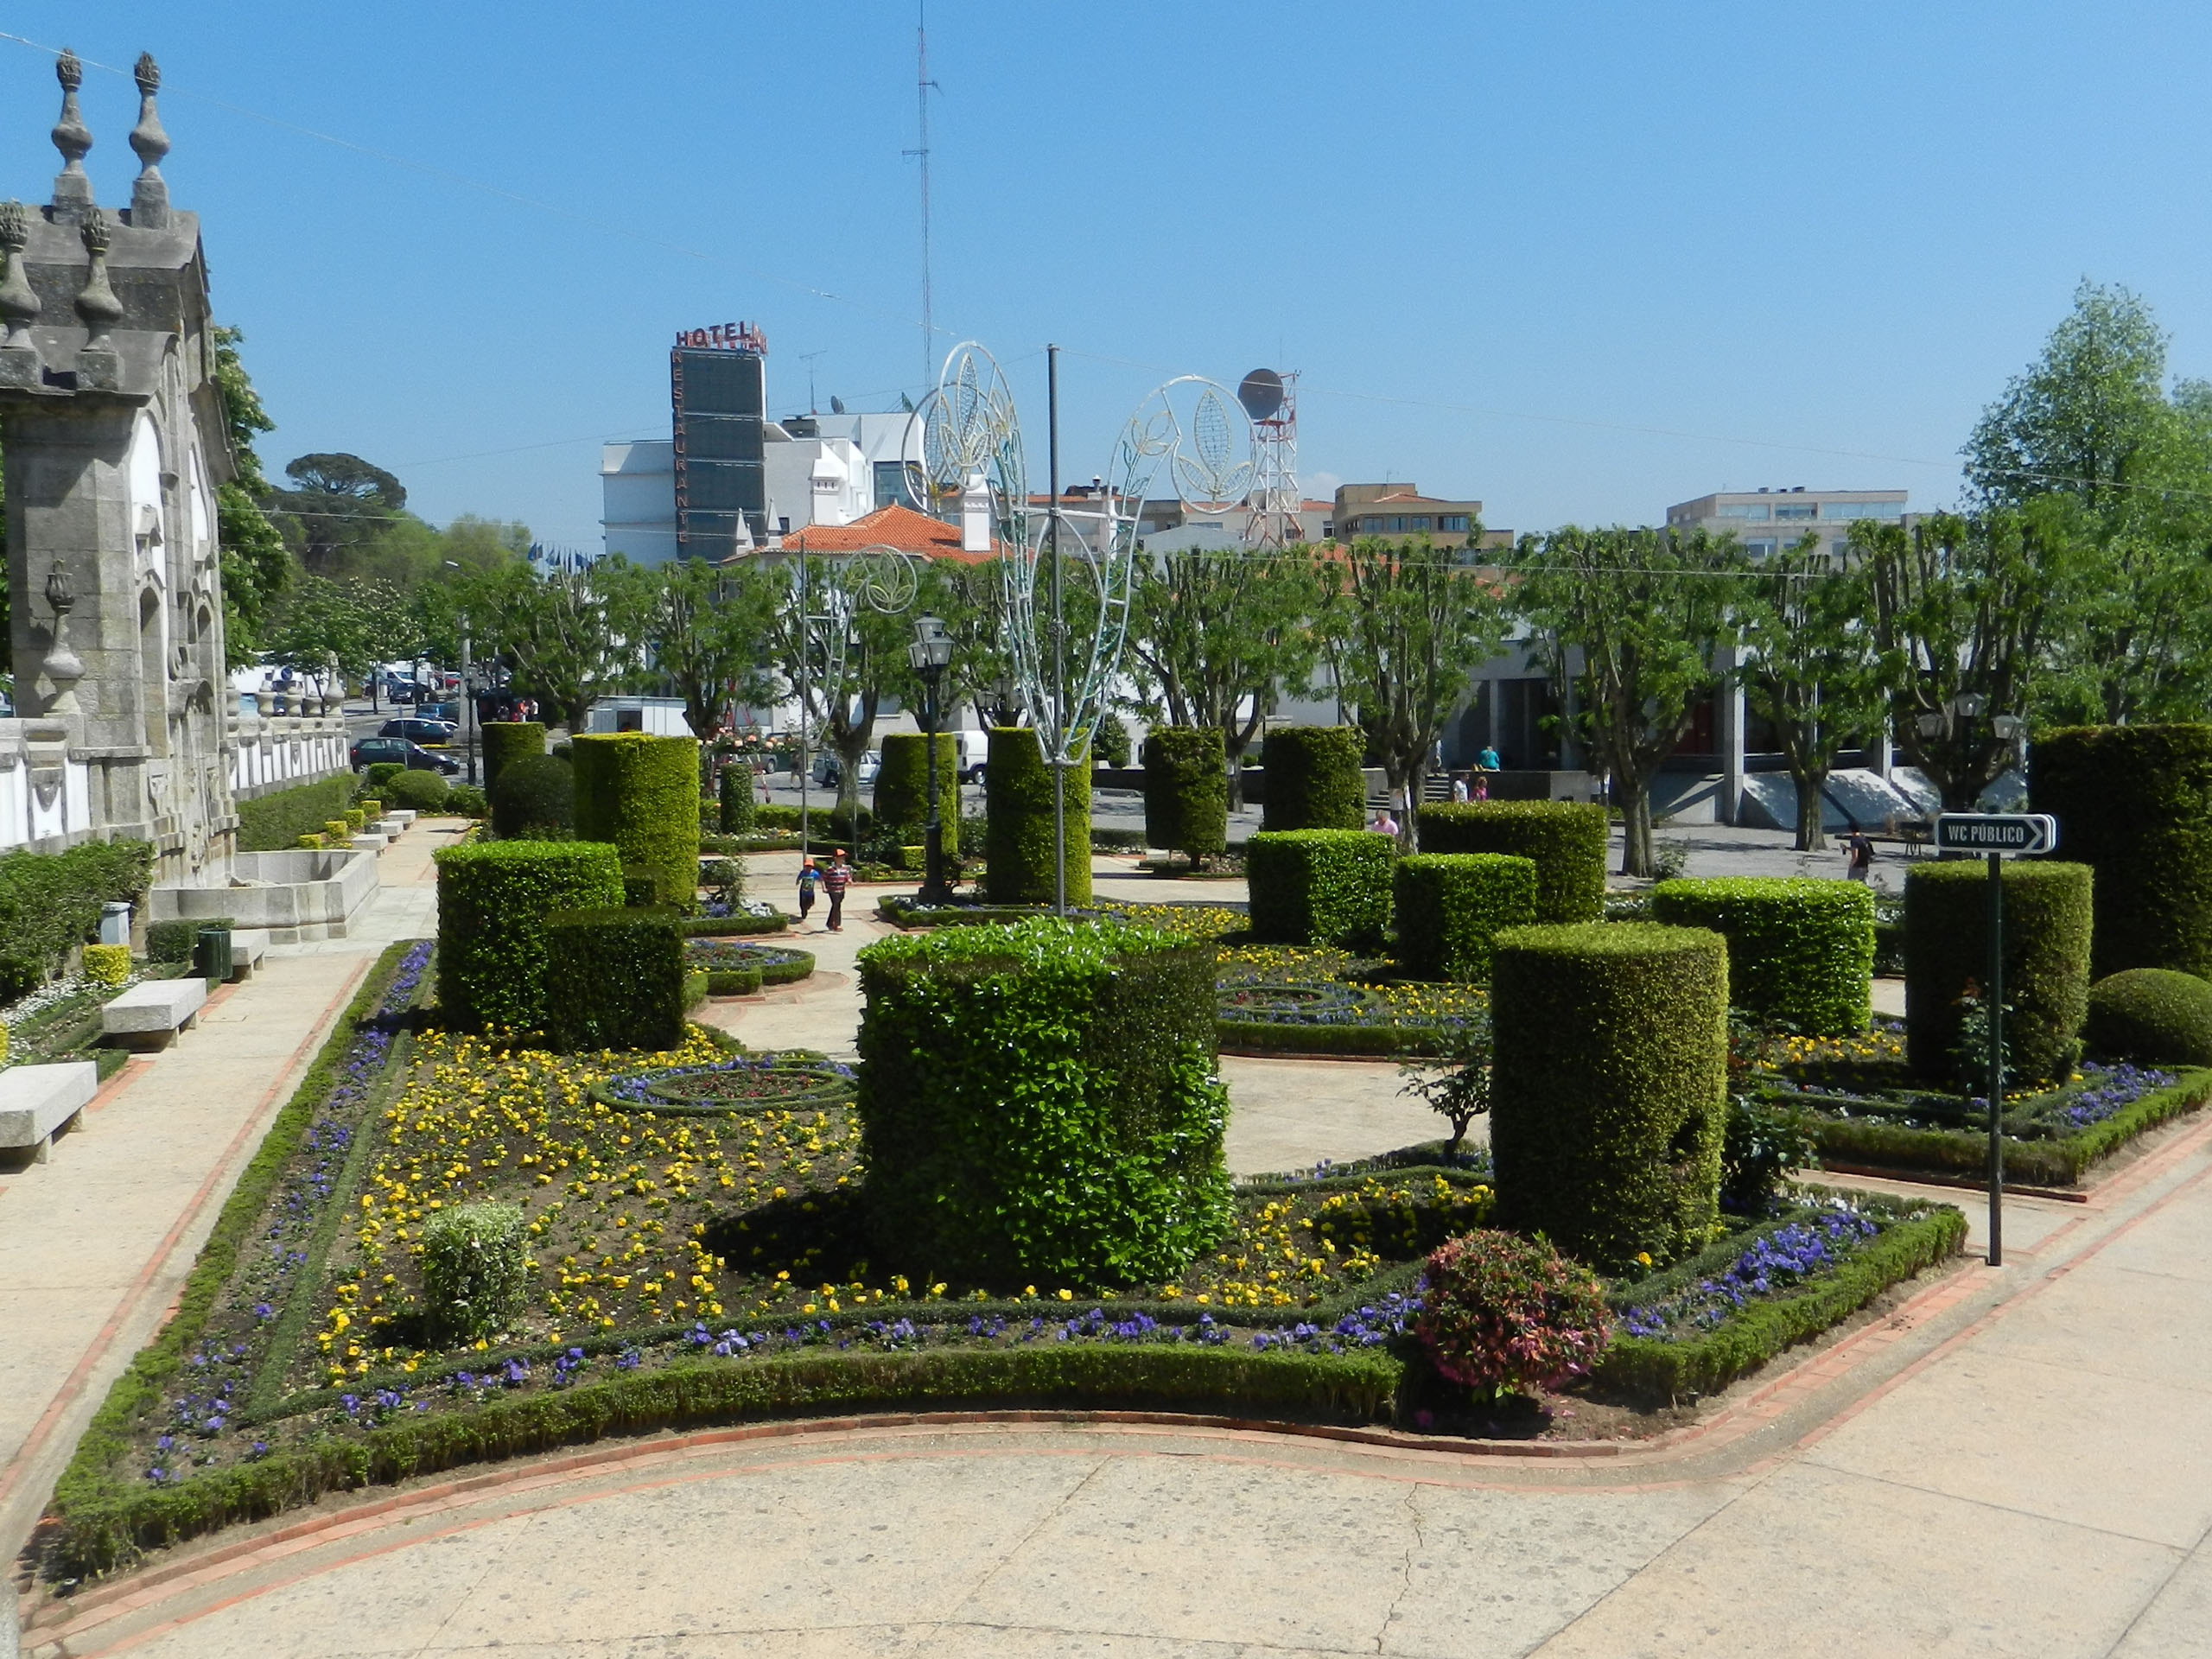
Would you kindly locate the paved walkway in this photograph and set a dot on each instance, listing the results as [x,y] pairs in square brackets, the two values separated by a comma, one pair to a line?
[95,1245]
[2011,1464]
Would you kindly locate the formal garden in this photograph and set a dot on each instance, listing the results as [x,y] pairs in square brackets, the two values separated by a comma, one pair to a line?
[522,1201]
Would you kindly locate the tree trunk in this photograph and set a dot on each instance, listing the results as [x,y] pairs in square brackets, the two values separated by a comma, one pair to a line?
[1812,833]
[1635,826]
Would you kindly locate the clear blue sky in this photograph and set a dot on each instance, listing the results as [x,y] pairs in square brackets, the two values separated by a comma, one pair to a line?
[1579,261]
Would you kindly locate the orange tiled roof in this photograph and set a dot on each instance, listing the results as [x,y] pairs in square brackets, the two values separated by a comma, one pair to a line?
[894,526]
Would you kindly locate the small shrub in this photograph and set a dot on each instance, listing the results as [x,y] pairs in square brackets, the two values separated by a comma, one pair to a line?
[467,801]
[735,807]
[1187,791]
[2047,921]
[2154,1016]
[640,793]
[1760,1152]
[1321,886]
[107,964]
[1449,905]
[418,792]
[337,832]
[1314,778]
[1801,951]
[382,772]
[1502,1313]
[371,807]
[508,740]
[473,1275]
[1565,839]
[1111,747]
[615,979]
[535,800]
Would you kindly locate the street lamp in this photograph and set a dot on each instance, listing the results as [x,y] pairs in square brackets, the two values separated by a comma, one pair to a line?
[930,655]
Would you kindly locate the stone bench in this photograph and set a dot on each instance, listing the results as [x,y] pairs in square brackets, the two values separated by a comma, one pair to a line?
[153,1011]
[248,946]
[39,1101]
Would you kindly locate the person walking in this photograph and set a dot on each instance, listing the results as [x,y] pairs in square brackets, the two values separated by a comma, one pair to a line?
[1859,856]
[1458,789]
[808,878]
[835,880]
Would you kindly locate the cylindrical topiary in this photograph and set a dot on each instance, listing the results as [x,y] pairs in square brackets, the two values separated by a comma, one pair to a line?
[1038,1103]
[615,979]
[1450,905]
[509,740]
[1321,886]
[1018,823]
[1801,951]
[640,793]
[2154,1016]
[534,800]
[2047,911]
[1609,1086]
[1187,790]
[1314,778]
[2134,804]
[902,788]
[736,809]
[493,897]
[1565,840]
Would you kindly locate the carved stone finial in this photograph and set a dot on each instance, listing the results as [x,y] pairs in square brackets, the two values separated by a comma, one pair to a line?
[19,363]
[149,197]
[98,307]
[72,191]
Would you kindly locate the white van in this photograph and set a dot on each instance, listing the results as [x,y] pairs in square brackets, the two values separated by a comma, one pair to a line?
[973,748]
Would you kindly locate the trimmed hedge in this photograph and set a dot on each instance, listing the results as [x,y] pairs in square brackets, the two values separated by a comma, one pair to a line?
[274,822]
[1018,836]
[615,979]
[178,941]
[535,799]
[2134,804]
[1565,840]
[693,927]
[1379,1042]
[734,807]
[1801,951]
[418,792]
[1039,1102]
[509,740]
[902,786]
[1315,780]
[1652,1369]
[494,900]
[2155,1016]
[1609,1085]
[640,793]
[2047,910]
[1321,886]
[1450,905]
[1187,791]
[50,904]
[1964,1153]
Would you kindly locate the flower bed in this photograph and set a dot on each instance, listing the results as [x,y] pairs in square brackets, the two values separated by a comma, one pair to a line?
[734,970]
[1277,998]
[1860,1106]
[741,1082]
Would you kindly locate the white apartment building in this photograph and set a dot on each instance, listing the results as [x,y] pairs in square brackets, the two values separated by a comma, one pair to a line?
[1769,520]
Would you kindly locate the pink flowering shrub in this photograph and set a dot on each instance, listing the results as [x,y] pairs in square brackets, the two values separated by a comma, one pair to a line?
[1505,1312]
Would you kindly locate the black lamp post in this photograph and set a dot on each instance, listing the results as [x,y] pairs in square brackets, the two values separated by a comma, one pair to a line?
[930,655]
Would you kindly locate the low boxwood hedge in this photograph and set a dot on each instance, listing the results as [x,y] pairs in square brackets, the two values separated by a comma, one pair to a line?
[1379,1041]
[1565,839]
[1801,951]
[1449,907]
[1321,886]
[274,822]
[2047,918]
[708,927]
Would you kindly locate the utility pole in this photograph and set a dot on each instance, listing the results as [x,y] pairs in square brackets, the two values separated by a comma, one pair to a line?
[923,84]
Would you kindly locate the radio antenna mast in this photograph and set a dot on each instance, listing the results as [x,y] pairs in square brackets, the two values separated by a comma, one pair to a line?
[923,84]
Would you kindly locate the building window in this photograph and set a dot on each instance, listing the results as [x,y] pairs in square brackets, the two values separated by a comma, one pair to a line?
[897,483]
[1370,522]
[1805,510]
[1759,549]
[1741,510]
[1452,521]
[1864,510]
[1420,523]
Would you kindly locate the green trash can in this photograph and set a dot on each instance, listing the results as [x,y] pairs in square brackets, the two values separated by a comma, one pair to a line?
[214,955]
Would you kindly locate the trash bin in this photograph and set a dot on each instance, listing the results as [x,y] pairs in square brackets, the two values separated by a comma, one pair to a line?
[214,955]
[115,923]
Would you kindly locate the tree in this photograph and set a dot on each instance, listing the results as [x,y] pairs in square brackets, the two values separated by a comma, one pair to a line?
[1629,620]
[1214,635]
[257,567]
[1811,667]
[341,503]
[1963,608]
[1403,624]
[566,639]
[708,629]
[2089,445]
[321,622]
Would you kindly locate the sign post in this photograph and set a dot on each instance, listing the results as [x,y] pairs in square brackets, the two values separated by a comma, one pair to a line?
[1997,836]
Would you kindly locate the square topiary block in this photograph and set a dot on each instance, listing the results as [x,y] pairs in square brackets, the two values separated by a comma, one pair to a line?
[493,900]
[615,979]
[1450,905]
[474,1269]
[1801,951]
[1314,778]
[1565,840]
[640,793]
[1321,886]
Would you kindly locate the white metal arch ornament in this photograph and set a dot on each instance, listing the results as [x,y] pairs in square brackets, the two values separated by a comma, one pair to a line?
[881,579]
[1191,429]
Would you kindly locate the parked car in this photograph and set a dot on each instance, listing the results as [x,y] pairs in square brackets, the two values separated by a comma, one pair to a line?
[830,768]
[417,730]
[379,751]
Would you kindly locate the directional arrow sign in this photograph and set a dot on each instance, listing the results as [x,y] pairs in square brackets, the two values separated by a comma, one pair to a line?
[2005,833]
